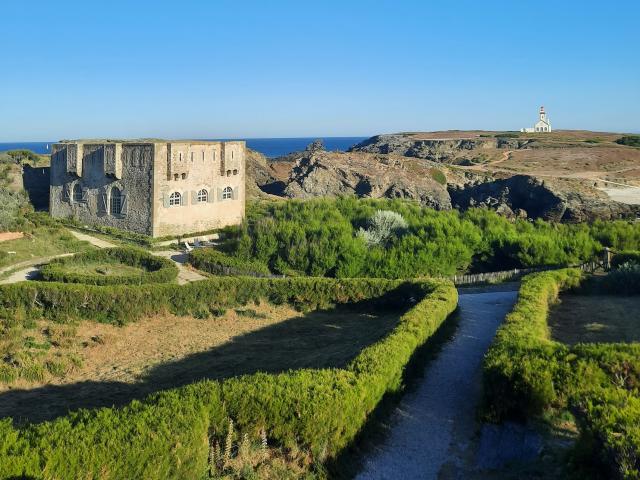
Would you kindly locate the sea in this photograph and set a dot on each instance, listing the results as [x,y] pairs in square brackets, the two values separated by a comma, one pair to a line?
[270,147]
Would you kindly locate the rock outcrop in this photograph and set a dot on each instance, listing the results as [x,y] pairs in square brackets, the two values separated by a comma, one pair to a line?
[455,150]
[317,173]
[526,196]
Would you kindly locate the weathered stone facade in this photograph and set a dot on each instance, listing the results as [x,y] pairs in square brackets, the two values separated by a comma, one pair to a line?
[157,188]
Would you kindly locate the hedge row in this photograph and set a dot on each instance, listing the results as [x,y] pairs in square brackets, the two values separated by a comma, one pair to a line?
[525,372]
[120,304]
[218,263]
[167,434]
[155,269]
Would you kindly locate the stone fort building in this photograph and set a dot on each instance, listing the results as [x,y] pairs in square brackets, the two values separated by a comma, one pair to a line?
[155,187]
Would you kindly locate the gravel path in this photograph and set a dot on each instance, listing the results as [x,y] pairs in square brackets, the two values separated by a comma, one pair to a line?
[432,428]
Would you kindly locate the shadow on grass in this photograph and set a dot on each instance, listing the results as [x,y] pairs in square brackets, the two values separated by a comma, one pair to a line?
[320,339]
[349,463]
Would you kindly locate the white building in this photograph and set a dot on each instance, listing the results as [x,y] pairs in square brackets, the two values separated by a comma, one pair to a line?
[542,125]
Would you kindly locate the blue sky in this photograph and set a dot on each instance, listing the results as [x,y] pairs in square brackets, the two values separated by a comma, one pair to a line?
[207,69]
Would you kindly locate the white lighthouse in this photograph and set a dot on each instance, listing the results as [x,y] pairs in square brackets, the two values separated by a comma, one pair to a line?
[542,125]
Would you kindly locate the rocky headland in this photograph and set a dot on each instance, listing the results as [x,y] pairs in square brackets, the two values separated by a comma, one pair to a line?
[444,170]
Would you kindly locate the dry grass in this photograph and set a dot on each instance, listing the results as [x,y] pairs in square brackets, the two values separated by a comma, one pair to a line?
[595,318]
[117,364]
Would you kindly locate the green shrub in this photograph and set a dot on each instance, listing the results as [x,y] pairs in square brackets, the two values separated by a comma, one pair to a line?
[438,176]
[629,140]
[167,435]
[621,258]
[218,263]
[154,269]
[525,372]
[319,237]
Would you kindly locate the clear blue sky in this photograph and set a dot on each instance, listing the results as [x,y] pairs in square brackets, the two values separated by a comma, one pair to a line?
[224,68]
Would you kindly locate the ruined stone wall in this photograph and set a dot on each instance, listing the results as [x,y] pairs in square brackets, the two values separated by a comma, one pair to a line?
[93,170]
[185,169]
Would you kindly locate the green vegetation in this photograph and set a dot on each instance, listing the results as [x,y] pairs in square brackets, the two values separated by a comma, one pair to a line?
[120,304]
[629,140]
[525,372]
[111,266]
[43,237]
[219,263]
[318,411]
[438,176]
[13,208]
[320,238]
[620,258]
[22,156]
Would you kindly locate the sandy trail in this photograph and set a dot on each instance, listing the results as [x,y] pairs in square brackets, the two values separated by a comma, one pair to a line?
[433,427]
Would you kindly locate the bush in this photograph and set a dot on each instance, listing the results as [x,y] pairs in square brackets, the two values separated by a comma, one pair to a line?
[218,263]
[383,226]
[155,269]
[122,304]
[167,435]
[621,258]
[320,237]
[629,140]
[525,372]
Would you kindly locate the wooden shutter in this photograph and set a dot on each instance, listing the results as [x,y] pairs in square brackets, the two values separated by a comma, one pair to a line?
[65,192]
[165,200]
[220,194]
[236,193]
[124,206]
[85,194]
[194,197]
[184,199]
[102,205]
[211,196]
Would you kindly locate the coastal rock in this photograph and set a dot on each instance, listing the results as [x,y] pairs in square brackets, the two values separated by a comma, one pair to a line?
[548,200]
[319,173]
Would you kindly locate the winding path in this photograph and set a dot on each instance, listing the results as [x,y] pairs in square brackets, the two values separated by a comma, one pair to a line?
[433,427]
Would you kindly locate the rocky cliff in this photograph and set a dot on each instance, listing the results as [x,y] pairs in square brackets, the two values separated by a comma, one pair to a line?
[526,196]
[453,150]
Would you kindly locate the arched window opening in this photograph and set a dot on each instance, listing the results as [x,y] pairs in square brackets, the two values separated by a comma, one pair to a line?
[203,195]
[175,199]
[115,201]
[77,193]
[227,193]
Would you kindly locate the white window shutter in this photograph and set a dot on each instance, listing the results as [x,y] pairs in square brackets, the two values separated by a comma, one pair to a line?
[165,200]
[124,207]
[65,192]
[220,194]
[184,198]
[211,195]
[194,197]
[103,202]
[85,194]
[236,193]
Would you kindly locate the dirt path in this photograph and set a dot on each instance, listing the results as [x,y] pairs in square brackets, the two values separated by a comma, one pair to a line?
[27,269]
[185,274]
[433,427]
[96,242]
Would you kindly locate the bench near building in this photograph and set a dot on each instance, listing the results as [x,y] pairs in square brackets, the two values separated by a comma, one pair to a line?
[155,187]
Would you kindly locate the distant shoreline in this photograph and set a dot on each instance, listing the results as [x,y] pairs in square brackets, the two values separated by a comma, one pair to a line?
[270,147]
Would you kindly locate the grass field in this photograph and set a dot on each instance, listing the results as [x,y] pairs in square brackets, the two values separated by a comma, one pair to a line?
[104,268]
[105,365]
[595,318]
[42,242]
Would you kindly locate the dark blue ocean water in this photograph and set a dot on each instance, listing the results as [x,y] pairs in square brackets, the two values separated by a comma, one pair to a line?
[271,147]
